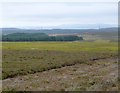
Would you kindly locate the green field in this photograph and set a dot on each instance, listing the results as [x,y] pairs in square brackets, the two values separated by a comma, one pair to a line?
[22,58]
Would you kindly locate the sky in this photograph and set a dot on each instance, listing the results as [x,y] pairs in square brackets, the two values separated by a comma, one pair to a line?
[58,13]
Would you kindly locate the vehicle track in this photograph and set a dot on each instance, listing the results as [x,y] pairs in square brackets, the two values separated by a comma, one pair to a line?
[100,76]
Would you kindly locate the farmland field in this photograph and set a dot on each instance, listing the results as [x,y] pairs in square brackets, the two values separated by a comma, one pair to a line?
[86,65]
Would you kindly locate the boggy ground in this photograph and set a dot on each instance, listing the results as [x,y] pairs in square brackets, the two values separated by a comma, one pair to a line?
[101,75]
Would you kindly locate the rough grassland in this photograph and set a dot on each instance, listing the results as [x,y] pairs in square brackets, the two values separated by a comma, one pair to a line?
[101,75]
[21,58]
[26,58]
[62,46]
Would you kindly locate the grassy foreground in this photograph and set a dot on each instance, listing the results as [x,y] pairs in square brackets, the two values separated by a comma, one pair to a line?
[62,46]
[21,58]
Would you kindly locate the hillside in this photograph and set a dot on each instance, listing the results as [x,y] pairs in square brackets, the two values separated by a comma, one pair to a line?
[87,34]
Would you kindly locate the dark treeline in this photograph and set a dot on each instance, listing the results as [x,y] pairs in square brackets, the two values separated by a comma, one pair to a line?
[38,37]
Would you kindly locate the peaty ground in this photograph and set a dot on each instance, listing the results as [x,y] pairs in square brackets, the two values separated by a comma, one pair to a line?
[100,75]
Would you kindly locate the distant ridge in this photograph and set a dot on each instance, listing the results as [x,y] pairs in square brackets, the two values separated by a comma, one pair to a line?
[56,31]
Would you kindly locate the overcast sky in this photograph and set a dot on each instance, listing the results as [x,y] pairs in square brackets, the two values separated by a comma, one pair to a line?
[36,13]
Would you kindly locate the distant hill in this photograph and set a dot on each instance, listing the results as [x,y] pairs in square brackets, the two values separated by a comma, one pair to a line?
[87,34]
[56,31]
[110,34]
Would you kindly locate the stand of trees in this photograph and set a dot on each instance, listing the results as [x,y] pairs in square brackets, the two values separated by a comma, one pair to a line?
[38,37]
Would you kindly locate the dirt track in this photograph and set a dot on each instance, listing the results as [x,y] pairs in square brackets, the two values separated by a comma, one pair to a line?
[100,75]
